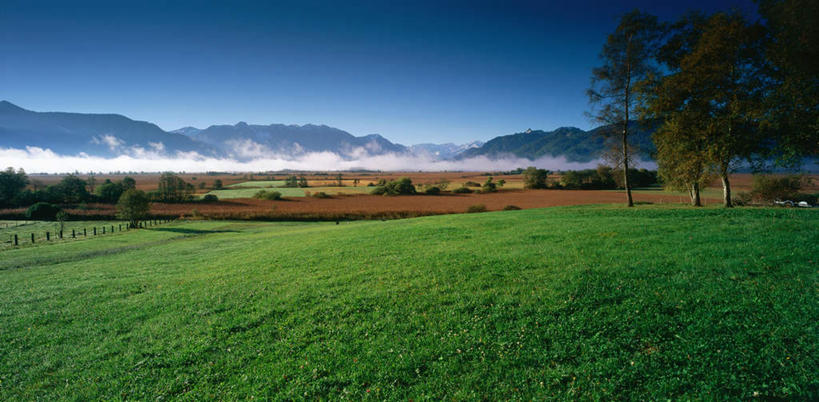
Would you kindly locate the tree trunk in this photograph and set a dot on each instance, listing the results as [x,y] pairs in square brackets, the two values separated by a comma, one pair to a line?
[695,195]
[625,165]
[726,188]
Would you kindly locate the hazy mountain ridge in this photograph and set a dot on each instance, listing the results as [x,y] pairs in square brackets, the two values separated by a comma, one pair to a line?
[572,143]
[443,151]
[110,135]
[93,134]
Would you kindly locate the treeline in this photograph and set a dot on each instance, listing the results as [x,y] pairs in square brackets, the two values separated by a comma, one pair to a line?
[602,178]
[722,90]
[72,190]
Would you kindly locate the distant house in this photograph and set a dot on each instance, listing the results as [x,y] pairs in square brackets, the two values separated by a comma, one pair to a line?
[529,131]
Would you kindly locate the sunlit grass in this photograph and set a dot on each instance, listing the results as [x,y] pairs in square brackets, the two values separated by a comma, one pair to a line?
[651,302]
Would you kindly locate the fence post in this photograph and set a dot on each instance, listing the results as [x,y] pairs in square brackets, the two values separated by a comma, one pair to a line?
[112,228]
[84,233]
[15,239]
[73,234]
[61,234]
[103,230]
[95,230]
[32,238]
[48,236]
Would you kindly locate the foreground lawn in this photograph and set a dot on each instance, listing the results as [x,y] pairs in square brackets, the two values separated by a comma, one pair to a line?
[580,302]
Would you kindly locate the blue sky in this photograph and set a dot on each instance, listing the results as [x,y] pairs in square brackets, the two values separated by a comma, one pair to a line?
[413,71]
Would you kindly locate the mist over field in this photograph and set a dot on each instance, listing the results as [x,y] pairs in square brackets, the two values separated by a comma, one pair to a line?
[39,160]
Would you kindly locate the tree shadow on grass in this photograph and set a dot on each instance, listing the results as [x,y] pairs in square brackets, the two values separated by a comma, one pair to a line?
[191,231]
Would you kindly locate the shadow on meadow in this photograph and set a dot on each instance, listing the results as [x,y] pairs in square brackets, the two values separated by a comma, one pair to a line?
[191,231]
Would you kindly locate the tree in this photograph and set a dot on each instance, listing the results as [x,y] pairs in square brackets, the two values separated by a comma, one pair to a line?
[217,184]
[291,181]
[128,183]
[720,83]
[11,185]
[339,180]
[627,62]
[402,186]
[43,211]
[70,190]
[92,182]
[489,186]
[534,178]
[303,182]
[681,158]
[173,189]
[793,58]
[109,192]
[133,206]
[61,218]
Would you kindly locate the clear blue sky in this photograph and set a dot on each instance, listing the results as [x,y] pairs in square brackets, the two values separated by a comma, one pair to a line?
[414,71]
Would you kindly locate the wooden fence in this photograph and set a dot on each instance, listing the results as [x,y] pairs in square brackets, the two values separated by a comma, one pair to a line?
[16,239]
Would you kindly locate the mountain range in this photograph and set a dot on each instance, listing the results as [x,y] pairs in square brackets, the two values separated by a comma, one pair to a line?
[109,135]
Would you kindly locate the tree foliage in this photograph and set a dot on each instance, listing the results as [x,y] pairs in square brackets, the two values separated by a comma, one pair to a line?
[627,58]
[133,206]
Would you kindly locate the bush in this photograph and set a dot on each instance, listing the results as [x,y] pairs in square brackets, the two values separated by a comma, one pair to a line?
[42,211]
[742,199]
[402,186]
[472,184]
[511,208]
[433,190]
[770,188]
[534,178]
[321,194]
[210,198]
[462,190]
[133,206]
[489,186]
[476,208]
[268,195]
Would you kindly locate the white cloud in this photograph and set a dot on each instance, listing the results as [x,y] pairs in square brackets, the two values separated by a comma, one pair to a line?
[112,142]
[255,158]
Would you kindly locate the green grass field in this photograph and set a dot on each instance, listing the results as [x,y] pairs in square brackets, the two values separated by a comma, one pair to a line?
[570,303]
[24,229]
[265,183]
[288,191]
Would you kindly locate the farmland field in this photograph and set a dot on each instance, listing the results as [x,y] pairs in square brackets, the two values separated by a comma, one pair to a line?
[245,191]
[593,302]
[265,183]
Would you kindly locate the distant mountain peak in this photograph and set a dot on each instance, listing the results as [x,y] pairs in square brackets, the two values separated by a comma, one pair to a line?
[7,106]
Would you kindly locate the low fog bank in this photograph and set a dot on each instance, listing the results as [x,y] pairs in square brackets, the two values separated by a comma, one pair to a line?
[39,160]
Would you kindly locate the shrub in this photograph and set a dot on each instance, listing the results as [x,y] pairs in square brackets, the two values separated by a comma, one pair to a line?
[42,211]
[472,184]
[511,208]
[268,195]
[742,199]
[476,208]
[402,186]
[433,190]
[321,194]
[462,190]
[770,188]
[535,178]
[210,198]
[489,186]
[133,206]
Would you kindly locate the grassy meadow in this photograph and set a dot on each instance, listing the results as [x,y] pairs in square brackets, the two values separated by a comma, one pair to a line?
[570,302]
[24,229]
